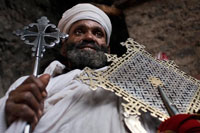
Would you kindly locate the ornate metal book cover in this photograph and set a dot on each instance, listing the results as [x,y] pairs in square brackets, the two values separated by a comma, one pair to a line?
[132,76]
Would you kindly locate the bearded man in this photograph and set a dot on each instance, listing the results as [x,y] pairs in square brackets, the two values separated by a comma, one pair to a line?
[56,102]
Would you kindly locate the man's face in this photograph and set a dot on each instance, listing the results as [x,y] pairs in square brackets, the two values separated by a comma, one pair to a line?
[86,45]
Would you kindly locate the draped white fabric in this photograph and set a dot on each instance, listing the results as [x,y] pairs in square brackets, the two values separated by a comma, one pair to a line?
[71,107]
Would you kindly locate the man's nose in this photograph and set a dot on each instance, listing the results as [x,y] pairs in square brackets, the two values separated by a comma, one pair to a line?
[89,36]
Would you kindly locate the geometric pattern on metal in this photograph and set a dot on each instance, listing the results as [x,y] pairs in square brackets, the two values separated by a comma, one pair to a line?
[129,78]
[133,77]
[132,106]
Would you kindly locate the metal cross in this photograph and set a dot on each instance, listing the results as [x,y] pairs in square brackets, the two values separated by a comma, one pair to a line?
[39,43]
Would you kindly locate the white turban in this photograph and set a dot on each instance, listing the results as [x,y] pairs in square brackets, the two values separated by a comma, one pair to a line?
[84,12]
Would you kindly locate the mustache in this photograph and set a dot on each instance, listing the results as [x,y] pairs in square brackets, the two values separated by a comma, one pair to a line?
[90,44]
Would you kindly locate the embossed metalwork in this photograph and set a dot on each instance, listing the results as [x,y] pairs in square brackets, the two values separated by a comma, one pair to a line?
[40,35]
[130,77]
[39,43]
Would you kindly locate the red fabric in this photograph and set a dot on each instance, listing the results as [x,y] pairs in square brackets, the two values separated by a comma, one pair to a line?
[162,56]
[182,123]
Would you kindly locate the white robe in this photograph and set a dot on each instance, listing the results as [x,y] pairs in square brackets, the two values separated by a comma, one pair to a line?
[71,107]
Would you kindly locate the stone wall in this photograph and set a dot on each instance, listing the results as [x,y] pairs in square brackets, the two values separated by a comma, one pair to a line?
[166,26]
[15,57]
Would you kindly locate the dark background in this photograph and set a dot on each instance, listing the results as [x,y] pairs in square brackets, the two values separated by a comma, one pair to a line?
[166,26]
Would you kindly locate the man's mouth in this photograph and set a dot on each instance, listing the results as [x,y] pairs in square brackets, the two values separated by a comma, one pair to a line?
[88,48]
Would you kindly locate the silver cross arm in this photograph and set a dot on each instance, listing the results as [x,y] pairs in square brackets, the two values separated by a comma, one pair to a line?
[39,38]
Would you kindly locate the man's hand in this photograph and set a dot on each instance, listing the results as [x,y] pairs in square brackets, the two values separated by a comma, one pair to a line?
[27,100]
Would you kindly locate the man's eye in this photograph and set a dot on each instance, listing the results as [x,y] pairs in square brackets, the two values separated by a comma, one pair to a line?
[99,34]
[78,32]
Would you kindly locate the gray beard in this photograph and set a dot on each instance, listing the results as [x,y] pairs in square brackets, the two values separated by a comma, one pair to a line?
[80,59]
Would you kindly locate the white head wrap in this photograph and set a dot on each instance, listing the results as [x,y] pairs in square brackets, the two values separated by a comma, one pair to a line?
[84,12]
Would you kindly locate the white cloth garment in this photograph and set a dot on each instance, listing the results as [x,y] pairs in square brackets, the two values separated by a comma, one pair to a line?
[83,12]
[71,107]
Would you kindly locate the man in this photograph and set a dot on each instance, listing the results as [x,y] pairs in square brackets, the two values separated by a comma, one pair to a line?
[56,102]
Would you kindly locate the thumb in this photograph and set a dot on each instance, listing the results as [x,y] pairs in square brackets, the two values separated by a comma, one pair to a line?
[45,79]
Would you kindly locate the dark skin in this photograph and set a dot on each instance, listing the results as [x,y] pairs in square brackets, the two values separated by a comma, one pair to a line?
[85,30]
[26,102]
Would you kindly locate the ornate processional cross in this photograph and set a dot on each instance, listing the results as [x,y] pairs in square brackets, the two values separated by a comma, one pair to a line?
[146,84]
[39,39]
